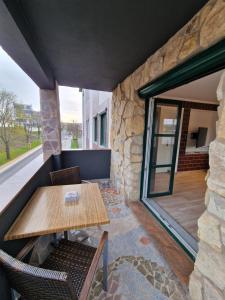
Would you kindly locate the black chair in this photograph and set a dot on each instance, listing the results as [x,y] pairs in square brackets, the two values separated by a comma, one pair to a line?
[66,176]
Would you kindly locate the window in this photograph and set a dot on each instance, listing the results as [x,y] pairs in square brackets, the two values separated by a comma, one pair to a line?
[103,124]
[96,129]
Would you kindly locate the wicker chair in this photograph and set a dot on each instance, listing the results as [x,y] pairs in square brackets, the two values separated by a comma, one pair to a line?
[67,176]
[67,273]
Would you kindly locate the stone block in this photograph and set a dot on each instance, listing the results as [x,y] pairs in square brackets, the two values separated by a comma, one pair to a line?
[172,51]
[221,88]
[213,27]
[216,205]
[134,126]
[211,264]
[195,288]
[217,167]
[190,45]
[129,110]
[211,292]
[209,231]
[223,234]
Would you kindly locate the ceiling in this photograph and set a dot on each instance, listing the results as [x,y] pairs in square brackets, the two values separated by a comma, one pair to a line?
[86,43]
[203,90]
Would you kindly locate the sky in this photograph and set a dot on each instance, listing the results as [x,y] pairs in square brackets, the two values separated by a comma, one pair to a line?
[14,79]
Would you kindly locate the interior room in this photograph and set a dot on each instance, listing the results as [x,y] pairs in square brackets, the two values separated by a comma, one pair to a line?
[189,129]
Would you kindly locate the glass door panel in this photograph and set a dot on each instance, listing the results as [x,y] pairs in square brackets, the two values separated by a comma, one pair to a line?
[162,150]
[165,130]
[160,180]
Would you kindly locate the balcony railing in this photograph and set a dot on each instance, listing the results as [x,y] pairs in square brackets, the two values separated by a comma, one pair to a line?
[94,164]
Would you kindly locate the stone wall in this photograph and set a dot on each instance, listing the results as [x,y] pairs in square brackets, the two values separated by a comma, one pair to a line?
[206,28]
[50,117]
[208,279]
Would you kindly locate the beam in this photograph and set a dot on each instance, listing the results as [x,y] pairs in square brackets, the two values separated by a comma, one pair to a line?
[20,44]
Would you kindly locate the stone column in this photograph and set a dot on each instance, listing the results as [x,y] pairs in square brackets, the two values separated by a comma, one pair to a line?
[208,278]
[50,116]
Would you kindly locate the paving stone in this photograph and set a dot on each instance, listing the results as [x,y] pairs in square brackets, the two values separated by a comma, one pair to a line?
[124,271]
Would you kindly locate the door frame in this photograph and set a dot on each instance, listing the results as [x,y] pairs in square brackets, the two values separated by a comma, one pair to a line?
[186,241]
[175,147]
[202,64]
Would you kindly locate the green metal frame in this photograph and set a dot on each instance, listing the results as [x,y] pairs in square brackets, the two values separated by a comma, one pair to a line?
[95,129]
[172,166]
[204,63]
[103,128]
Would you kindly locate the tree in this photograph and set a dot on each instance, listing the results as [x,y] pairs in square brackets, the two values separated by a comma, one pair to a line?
[74,129]
[25,119]
[37,122]
[7,101]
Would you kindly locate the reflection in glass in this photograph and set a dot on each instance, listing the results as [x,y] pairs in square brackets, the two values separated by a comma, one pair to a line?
[160,180]
[162,150]
[166,119]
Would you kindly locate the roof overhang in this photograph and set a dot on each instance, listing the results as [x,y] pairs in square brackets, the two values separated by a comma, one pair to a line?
[86,43]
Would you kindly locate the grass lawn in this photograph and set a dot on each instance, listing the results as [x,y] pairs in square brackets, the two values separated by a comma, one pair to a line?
[74,144]
[17,151]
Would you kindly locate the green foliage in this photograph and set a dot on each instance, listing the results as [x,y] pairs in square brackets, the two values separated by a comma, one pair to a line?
[74,144]
[17,151]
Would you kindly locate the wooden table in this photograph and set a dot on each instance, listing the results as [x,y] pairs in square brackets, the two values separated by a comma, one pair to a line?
[46,212]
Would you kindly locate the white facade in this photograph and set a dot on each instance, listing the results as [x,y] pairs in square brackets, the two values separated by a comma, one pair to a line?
[94,105]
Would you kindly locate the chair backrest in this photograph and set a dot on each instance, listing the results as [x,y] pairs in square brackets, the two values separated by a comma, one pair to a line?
[36,283]
[66,176]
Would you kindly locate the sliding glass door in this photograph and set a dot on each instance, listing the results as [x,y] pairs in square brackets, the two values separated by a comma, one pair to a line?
[164,141]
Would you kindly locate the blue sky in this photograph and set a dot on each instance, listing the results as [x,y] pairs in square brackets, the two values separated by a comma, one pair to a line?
[14,79]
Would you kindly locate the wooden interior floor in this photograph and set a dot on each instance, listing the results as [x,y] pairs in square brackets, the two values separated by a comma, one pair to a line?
[187,202]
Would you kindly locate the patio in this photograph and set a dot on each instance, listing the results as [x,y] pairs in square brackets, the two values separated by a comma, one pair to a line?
[137,52]
[144,262]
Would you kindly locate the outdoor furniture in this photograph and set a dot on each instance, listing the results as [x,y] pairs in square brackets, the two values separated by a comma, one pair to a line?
[47,212]
[67,273]
[67,176]
[64,177]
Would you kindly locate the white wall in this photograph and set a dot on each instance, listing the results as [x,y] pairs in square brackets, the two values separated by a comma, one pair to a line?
[94,103]
[202,118]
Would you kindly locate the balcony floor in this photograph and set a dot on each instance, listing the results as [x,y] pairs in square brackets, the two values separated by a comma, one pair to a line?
[144,261]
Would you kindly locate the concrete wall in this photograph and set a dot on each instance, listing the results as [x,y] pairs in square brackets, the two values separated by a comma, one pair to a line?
[95,103]
[205,29]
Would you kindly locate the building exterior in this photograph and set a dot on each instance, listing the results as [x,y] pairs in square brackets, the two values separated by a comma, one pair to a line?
[203,31]
[193,50]
[96,107]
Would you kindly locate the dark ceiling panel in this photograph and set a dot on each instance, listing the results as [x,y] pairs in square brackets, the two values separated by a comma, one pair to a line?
[96,44]
[14,43]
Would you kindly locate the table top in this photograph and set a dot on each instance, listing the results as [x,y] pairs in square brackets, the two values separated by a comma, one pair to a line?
[47,212]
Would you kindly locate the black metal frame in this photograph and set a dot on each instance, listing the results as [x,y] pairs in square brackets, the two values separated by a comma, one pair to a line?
[175,146]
